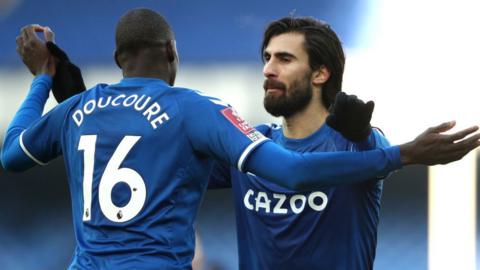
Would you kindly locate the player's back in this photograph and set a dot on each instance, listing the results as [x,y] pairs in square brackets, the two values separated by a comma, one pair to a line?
[138,155]
[134,177]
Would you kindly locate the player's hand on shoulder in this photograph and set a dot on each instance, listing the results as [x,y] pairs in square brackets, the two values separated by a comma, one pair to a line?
[68,80]
[434,147]
[350,116]
[33,50]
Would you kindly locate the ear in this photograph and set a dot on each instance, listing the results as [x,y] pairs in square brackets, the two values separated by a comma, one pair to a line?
[172,51]
[321,75]
[115,56]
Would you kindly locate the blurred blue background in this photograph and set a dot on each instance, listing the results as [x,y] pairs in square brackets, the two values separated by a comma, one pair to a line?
[35,215]
[206,31]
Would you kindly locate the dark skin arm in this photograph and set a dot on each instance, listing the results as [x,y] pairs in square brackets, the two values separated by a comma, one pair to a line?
[33,50]
[432,147]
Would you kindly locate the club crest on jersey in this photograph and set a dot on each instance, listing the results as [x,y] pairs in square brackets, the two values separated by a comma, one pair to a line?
[241,124]
[237,121]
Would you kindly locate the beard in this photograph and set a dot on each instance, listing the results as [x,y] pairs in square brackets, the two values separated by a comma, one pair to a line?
[289,102]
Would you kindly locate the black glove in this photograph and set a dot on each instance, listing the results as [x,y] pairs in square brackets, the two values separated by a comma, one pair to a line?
[68,79]
[351,117]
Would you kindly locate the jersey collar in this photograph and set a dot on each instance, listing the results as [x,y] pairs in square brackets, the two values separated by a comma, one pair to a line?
[314,137]
[142,80]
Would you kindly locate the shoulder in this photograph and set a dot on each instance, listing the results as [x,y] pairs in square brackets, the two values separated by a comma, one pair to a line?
[380,139]
[268,129]
[376,138]
[334,136]
[78,98]
[193,95]
[68,104]
[193,101]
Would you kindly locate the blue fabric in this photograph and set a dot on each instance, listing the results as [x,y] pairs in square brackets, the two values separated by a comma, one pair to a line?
[142,136]
[325,227]
[174,132]
[235,28]
[313,170]
[30,110]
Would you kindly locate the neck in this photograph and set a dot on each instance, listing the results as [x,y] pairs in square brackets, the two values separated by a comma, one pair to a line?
[305,122]
[147,74]
[141,66]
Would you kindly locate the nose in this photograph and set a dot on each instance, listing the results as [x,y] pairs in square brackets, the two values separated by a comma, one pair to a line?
[269,69]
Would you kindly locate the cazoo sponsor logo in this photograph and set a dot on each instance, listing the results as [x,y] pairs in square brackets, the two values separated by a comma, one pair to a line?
[282,204]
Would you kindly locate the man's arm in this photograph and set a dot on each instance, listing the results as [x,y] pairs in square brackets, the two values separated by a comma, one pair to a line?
[14,157]
[376,139]
[216,130]
[38,60]
[221,176]
[433,148]
[314,170]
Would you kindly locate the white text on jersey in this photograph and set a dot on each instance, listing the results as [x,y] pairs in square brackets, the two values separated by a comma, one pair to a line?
[138,103]
[282,203]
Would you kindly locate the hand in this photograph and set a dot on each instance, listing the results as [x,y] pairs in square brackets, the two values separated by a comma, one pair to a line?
[432,147]
[33,51]
[351,117]
[68,79]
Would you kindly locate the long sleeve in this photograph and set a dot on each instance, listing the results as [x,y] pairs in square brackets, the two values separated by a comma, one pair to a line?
[13,156]
[314,170]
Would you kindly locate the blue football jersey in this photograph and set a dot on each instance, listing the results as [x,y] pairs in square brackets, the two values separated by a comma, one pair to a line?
[332,228]
[138,155]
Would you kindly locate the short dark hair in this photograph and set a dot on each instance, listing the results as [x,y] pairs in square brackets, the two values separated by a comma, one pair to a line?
[141,28]
[322,46]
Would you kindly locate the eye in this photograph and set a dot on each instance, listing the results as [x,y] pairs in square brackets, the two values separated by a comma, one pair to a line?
[266,57]
[285,59]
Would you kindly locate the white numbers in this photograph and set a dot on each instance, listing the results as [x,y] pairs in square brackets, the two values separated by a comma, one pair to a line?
[87,144]
[112,175]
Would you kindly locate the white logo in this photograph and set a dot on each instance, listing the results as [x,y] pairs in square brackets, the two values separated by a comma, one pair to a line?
[283,203]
